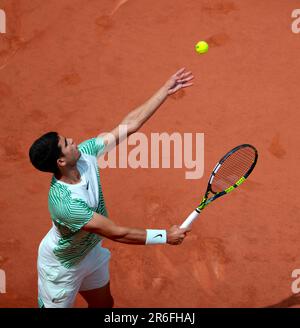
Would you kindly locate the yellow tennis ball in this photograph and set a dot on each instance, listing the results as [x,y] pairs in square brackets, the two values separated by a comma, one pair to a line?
[201,47]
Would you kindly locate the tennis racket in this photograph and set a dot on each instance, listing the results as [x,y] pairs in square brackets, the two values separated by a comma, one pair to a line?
[230,172]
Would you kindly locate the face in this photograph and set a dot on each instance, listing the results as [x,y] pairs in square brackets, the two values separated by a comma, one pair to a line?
[70,151]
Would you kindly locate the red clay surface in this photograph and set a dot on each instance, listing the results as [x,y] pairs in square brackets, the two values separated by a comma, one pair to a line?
[79,67]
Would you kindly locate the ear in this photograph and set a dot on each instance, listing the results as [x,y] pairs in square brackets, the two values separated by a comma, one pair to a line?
[61,162]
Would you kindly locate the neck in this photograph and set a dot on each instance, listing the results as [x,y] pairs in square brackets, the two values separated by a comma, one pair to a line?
[70,175]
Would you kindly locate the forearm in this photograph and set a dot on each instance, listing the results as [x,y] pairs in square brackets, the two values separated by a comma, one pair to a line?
[104,227]
[129,236]
[142,113]
[135,236]
[152,104]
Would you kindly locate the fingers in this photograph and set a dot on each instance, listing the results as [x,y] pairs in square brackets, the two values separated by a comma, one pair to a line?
[186,79]
[187,85]
[187,229]
[181,238]
[186,74]
[180,71]
[180,74]
[176,234]
[184,232]
[178,86]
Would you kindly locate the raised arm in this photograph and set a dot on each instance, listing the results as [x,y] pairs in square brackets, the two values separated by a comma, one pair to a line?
[136,118]
[107,228]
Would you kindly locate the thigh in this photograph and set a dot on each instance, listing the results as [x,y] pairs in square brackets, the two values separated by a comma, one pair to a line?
[99,273]
[99,297]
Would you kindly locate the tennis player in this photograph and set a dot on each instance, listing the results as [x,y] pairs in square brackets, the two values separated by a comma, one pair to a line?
[71,258]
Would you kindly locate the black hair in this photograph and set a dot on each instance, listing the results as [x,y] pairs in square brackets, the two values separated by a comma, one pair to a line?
[45,151]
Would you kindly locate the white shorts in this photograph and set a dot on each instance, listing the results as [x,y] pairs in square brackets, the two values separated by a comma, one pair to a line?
[58,286]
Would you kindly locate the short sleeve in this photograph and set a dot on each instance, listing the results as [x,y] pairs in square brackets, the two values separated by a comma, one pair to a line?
[71,213]
[94,146]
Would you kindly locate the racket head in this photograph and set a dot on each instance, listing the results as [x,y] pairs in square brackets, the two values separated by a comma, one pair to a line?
[232,169]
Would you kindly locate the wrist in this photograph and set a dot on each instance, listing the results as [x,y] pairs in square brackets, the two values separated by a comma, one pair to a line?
[156,236]
[165,88]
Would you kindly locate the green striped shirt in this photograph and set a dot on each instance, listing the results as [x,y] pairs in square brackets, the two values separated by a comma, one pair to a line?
[72,206]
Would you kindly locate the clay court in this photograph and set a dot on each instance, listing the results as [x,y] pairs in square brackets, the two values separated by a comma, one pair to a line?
[78,67]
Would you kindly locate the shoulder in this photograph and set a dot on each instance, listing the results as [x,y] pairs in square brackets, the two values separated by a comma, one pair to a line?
[58,192]
[62,205]
[94,146]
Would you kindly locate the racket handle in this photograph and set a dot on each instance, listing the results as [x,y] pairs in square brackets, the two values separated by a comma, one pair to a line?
[190,219]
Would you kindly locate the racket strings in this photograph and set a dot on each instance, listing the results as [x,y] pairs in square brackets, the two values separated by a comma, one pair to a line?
[233,168]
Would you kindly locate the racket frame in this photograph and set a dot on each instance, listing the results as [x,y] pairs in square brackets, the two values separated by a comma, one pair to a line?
[205,200]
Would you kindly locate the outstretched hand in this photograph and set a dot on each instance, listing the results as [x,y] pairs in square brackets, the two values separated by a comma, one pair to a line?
[179,80]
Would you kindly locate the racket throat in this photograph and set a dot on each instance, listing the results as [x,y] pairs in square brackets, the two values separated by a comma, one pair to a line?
[202,204]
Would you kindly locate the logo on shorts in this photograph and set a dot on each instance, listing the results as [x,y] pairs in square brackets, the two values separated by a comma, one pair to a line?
[87,186]
[159,235]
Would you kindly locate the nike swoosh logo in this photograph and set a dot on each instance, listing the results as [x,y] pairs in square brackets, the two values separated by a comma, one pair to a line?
[87,187]
[159,235]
